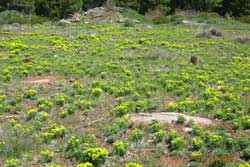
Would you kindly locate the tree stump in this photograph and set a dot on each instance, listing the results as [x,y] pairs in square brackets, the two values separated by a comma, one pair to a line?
[195,59]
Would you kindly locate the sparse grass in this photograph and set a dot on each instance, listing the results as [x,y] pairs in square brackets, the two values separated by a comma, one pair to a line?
[66,93]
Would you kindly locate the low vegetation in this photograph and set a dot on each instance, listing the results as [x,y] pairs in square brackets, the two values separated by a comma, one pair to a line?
[67,92]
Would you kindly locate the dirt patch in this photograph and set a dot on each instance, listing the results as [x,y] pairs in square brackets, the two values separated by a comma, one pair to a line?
[173,161]
[45,80]
[167,117]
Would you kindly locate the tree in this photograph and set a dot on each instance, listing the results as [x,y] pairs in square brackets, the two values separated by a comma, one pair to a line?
[57,8]
[26,6]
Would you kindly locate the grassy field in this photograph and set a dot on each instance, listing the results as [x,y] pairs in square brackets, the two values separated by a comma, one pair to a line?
[66,92]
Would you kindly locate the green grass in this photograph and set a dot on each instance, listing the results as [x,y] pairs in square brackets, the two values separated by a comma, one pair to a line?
[99,73]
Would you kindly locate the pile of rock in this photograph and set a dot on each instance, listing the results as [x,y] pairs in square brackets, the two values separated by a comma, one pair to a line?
[75,18]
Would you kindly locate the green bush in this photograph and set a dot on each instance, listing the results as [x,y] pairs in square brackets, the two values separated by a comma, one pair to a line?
[12,16]
[86,164]
[159,136]
[246,154]
[137,135]
[244,19]
[132,164]
[161,20]
[96,156]
[206,15]
[181,119]
[120,148]
[12,162]
[197,143]
[155,126]
[57,8]
[47,156]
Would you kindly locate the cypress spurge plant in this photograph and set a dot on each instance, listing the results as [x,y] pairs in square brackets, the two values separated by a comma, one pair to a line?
[120,148]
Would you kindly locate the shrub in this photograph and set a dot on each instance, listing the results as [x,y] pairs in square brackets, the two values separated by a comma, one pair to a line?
[2,146]
[246,154]
[12,16]
[181,119]
[31,113]
[44,104]
[207,15]
[96,92]
[177,143]
[31,93]
[244,19]
[54,132]
[155,126]
[86,164]
[159,136]
[13,162]
[161,20]
[244,165]
[132,164]
[60,100]
[120,148]
[215,32]
[72,147]
[197,143]
[96,156]
[122,109]
[57,8]
[137,135]
[47,156]
[128,23]
[43,116]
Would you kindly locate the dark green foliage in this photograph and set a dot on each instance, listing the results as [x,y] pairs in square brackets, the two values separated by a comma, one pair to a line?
[26,6]
[57,8]
[244,19]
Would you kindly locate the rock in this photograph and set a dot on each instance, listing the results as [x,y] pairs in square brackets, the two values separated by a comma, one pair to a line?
[137,22]
[65,21]
[187,129]
[120,21]
[195,59]
[167,117]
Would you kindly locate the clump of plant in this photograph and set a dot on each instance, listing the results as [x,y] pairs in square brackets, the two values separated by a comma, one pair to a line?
[47,156]
[246,154]
[122,109]
[160,136]
[96,92]
[181,119]
[42,116]
[215,32]
[54,132]
[162,20]
[86,164]
[72,147]
[129,23]
[118,128]
[31,93]
[31,114]
[96,156]
[44,104]
[132,164]
[175,141]
[60,100]
[155,126]
[197,143]
[13,162]
[137,135]
[120,148]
